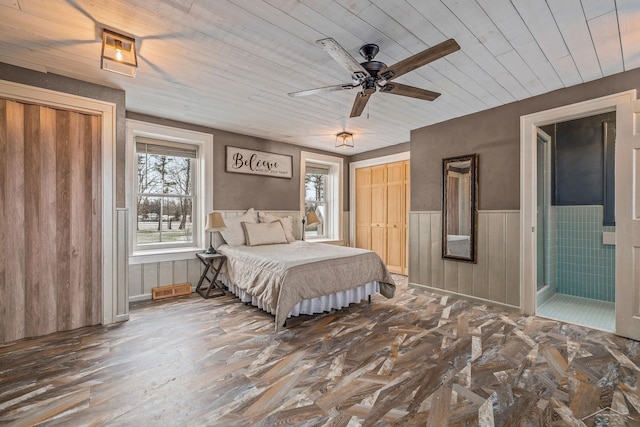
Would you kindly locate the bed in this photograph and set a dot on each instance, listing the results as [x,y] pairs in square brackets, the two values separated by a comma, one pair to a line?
[302,277]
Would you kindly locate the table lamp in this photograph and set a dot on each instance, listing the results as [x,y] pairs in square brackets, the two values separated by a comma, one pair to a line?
[214,223]
[311,219]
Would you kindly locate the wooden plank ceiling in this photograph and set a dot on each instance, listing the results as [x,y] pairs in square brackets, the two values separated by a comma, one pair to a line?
[229,64]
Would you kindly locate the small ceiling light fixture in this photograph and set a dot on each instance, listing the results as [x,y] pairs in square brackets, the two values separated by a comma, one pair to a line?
[119,54]
[344,140]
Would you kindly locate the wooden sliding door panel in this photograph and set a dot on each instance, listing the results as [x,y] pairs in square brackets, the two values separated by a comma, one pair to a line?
[63,238]
[12,296]
[50,226]
[78,217]
[40,219]
[96,224]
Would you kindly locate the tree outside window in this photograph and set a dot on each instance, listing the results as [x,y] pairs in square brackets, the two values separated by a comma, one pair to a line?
[165,196]
[316,199]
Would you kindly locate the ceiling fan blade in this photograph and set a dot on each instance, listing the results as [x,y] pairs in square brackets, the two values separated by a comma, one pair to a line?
[413,92]
[420,59]
[322,90]
[343,57]
[359,104]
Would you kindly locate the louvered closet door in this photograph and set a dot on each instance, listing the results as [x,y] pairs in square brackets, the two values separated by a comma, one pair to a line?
[395,216]
[363,208]
[50,220]
[379,211]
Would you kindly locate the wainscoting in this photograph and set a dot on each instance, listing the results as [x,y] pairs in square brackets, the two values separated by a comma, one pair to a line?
[494,278]
[144,277]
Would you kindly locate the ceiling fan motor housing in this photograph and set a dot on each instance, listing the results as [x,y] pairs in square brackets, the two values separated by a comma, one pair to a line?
[369,51]
[374,67]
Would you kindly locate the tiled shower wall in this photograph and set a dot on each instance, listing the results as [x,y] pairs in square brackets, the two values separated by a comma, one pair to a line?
[584,266]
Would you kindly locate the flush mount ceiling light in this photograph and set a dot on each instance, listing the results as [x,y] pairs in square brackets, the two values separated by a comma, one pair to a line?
[119,54]
[344,140]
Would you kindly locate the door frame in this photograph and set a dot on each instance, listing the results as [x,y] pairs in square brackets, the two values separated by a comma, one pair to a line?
[107,111]
[528,186]
[392,158]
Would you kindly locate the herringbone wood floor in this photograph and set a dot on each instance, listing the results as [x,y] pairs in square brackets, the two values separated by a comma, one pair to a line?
[418,359]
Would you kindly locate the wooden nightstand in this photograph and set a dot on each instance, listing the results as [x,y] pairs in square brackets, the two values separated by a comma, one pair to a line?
[213,264]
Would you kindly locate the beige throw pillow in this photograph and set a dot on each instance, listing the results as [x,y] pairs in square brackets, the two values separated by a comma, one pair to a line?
[287,223]
[266,233]
[233,234]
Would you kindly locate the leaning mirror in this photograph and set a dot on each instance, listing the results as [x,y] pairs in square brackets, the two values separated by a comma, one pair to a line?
[459,207]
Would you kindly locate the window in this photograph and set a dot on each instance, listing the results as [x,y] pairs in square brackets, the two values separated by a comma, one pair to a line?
[165,196]
[169,191]
[321,192]
[316,181]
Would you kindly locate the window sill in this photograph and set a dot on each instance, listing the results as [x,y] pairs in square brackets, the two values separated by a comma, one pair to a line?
[163,255]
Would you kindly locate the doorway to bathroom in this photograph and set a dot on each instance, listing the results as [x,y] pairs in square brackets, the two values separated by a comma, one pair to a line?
[575,221]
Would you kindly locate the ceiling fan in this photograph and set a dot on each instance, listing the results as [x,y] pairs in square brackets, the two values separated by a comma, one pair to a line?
[373,75]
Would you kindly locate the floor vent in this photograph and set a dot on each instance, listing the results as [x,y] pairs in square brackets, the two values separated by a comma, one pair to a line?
[171,291]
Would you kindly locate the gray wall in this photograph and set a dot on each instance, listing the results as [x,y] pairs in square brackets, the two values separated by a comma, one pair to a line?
[495,135]
[380,152]
[84,89]
[233,191]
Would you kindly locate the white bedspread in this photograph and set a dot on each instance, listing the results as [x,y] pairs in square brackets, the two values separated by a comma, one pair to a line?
[283,275]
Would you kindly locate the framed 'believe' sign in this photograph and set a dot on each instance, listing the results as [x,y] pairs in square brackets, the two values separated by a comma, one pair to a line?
[254,162]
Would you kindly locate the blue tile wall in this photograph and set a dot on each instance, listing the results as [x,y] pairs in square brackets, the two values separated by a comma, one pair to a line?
[584,267]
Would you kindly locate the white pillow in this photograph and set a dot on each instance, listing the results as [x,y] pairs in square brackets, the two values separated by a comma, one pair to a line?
[233,234]
[287,223]
[266,233]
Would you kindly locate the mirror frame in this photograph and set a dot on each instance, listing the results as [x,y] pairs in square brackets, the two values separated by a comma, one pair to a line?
[473,210]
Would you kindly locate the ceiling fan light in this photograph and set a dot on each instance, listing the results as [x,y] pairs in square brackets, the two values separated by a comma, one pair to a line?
[344,140]
[118,54]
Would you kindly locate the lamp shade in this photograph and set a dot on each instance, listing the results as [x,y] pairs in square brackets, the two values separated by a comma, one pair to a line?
[312,219]
[214,222]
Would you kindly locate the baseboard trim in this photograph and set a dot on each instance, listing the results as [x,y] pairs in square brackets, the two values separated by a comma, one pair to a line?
[464,296]
[142,297]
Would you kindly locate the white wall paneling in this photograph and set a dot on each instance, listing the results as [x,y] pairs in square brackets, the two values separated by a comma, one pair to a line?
[180,271]
[165,273]
[494,278]
[122,270]
[150,276]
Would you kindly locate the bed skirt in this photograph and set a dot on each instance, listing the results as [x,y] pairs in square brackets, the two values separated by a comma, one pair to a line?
[316,305]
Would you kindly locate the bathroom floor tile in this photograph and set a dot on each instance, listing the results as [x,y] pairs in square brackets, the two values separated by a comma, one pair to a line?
[580,311]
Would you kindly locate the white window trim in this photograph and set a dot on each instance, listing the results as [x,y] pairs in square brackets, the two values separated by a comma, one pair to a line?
[392,158]
[333,197]
[204,188]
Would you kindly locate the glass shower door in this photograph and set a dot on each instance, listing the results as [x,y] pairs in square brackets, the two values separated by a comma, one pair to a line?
[541,226]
